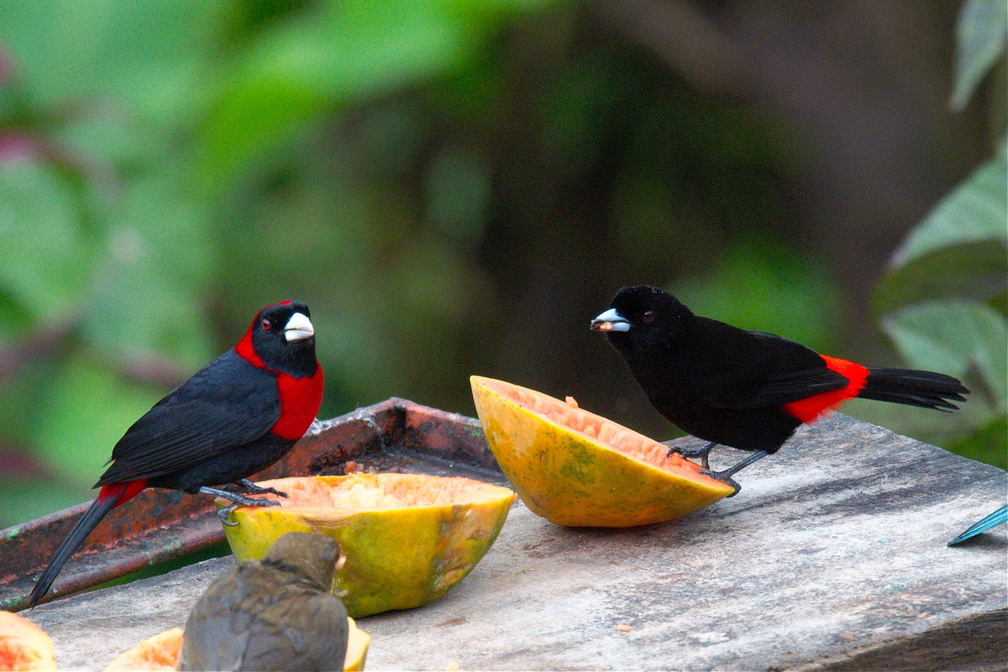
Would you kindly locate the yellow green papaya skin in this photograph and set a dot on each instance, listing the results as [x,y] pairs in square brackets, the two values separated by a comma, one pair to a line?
[579,469]
[407,538]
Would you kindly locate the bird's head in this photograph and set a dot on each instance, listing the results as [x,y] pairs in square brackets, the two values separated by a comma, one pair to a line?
[641,316]
[313,556]
[282,338]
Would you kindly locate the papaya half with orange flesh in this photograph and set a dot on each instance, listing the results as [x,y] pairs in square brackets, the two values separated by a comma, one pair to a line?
[407,538]
[24,645]
[579,469]
[161,652]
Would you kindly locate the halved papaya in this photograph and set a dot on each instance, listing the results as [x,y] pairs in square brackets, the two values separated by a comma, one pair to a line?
[407,538]
[161,652]
[579,469]
[24,645]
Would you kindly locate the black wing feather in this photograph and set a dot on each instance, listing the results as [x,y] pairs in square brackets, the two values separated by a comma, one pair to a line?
[763,370]
[227,403]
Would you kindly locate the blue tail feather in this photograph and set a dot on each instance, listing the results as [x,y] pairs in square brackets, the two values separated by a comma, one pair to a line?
[996,518]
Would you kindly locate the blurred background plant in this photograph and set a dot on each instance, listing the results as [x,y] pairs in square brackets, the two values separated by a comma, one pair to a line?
[458,186]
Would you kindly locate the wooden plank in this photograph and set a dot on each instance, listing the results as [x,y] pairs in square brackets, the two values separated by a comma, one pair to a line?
[832,557]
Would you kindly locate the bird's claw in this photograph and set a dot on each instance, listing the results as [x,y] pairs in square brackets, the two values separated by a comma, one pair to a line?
[251,488]
[269,491]
[724,477]
[703,451]
[225,513]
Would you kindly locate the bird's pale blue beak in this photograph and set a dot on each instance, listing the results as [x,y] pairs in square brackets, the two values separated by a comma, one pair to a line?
[610,320]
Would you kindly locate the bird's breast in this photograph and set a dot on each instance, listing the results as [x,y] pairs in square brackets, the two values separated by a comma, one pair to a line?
[300,399]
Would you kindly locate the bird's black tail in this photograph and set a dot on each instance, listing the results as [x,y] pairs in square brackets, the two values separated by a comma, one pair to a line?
[89,521]
[914,388]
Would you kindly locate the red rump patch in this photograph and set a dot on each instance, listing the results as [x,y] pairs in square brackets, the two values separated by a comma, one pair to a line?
[812,408]
[300,399]
[122,492]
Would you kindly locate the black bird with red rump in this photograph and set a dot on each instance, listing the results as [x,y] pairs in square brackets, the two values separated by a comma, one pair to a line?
[745,389]
[236,416]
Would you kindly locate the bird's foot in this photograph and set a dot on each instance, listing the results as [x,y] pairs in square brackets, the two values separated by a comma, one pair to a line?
[225,514]
[703,451]
[723,476]
[727,474]
[236,500]
[249,487]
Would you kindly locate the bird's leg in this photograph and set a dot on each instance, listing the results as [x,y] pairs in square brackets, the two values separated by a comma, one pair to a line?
[249,487]
[236,500]
[703,452]
[727,474]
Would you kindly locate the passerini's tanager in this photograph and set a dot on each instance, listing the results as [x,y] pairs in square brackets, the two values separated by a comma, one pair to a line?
[745,389]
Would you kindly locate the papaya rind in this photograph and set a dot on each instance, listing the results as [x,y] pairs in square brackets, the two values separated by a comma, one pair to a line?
[168,644]
[395,558]
[576,480]
[358,642]
[159,652]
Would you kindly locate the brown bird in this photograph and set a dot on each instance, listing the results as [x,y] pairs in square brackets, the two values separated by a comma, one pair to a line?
[277,614]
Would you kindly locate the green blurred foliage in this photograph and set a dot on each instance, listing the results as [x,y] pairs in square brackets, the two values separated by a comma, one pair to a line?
[980,37]
[410,169]
[945,299]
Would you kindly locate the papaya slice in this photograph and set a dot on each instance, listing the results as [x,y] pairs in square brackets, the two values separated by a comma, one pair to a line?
[161,652]
[24,645]
[407,538]
[579,469]
[358,642]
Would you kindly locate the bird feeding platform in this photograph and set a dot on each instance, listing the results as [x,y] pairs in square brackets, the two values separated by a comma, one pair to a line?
[832,557]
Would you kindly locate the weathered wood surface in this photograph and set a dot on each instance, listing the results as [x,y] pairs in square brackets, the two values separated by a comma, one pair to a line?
[833,556]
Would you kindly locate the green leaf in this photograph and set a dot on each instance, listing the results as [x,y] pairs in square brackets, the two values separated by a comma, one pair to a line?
[316,62]
[159,260]
[980,42]
[952,337]
[46,257]
[988,444]
[352,51]
[23,500]
[86,412]
[763,285]
[147,52]
[976,270]
[976,211]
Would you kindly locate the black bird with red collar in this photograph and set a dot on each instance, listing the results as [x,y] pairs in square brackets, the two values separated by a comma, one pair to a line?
[236,416]
[745,389]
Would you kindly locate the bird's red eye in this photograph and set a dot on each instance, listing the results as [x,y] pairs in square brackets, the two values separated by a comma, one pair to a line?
[266,324]
[647,316]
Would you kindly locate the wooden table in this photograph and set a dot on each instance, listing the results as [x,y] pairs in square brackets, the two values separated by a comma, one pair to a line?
[833,556]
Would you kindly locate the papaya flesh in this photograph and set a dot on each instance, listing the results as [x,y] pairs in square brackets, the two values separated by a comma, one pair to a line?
[579,469]
[161,652]
[407,538]
[24,645]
